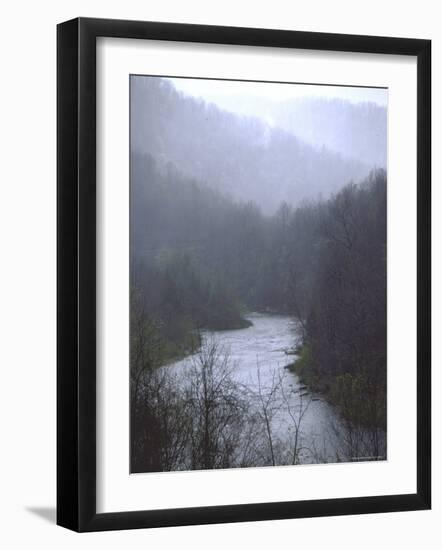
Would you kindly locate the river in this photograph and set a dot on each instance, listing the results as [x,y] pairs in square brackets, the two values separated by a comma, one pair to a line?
[264,348]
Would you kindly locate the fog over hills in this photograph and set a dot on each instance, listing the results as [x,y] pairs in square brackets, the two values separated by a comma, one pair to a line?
[360,134]
[305,148]
[350,120]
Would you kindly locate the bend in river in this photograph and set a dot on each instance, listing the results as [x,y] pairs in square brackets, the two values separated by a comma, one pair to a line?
[258,355]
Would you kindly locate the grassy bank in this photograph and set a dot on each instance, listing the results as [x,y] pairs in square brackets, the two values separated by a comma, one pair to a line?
[357,397]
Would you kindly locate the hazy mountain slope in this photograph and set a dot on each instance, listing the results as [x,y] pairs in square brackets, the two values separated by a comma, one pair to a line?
[239,156]
[359,130]
[356,130]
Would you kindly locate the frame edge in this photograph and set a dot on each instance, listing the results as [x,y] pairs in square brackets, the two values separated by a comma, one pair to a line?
[67,275]
[424,273]
[76,315]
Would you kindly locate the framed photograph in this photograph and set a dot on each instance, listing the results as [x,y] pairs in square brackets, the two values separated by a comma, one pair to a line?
[243,274]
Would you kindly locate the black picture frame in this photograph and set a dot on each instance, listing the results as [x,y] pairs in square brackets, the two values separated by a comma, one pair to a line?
[76,274]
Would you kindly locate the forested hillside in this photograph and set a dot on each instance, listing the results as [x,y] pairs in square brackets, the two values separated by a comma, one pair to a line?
[355,130]
[201,259]
[239,156]
[337,289]
[361,132]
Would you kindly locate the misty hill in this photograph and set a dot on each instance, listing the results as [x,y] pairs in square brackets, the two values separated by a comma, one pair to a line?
[173,217]
[239,156]
[355,130]
[358,129]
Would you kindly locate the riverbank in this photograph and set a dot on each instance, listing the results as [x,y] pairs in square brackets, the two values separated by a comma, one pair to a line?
[255,358]
[357,399]
[303,366]
[191,342]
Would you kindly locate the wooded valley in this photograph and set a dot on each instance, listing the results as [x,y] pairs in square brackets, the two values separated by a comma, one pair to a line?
[230,217]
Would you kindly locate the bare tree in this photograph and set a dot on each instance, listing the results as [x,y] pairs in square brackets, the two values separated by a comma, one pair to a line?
[296,407]
[268,406]
[217,408]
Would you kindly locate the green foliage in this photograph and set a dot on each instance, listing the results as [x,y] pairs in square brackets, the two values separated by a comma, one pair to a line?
[308,371]
[358,400]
